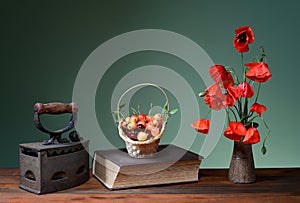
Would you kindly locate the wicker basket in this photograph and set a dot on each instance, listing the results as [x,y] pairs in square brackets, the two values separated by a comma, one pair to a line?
[142,149]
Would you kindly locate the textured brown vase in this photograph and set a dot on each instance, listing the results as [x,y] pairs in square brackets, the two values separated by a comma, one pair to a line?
[242,169]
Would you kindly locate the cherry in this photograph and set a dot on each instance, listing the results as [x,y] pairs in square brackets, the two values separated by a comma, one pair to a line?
[141,126]
[158,116]
[142,136]
[155,131]
[142,117]
[132,126]
[132,135]
[134,118]
[150,118]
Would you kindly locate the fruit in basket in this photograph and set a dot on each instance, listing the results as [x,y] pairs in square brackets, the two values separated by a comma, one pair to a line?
[150,118]
[155,131]
[158,117]
[142,127]
[142,117]
[142,136]
[134,118]
[141,124]
[132,126]
[124,124]
[149,126]
[157,122]
[127,119]
[131,135]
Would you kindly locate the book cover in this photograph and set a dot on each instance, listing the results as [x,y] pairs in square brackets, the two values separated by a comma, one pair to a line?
[171,164]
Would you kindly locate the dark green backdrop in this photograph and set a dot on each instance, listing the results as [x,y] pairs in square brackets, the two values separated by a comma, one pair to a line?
[44,43]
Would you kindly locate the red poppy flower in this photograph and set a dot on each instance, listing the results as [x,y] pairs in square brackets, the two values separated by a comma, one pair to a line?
[243,36]
[252,136]
[229,100]
[201,125]
[214,97]
[214,102]
[235,131]
[245,90]
[258,72]
[258,108]
[221,76]
[234,93]
[214,89]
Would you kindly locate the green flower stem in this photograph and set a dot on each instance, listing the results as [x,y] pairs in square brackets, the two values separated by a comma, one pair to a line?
[250,121]
[236,108]
[256,58]
[150,110]
[258,90]
[118,112]
[207,114]
[234,73]
[240,108]
[264,142]
[233,113]
[245,110]
[268,132]
[122,115]
[244,70]
[134,112]
[227,114]
[250,114]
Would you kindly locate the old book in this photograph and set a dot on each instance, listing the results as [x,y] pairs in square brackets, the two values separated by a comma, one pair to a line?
[171,164]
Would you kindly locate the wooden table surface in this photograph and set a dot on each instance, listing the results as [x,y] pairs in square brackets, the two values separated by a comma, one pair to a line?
[272,185]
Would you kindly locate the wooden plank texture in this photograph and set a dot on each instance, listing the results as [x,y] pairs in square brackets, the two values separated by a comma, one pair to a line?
[273,185]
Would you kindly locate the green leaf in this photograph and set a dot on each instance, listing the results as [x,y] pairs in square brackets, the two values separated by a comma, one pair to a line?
[166,107]
[263,150]
[173,111]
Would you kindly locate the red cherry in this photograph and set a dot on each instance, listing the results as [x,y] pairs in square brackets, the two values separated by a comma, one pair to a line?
[150,118]
[142,117]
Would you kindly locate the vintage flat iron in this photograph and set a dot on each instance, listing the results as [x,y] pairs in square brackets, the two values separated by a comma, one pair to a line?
[58,163]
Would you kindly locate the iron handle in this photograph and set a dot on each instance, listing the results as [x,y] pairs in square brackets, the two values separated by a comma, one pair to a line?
[55,108]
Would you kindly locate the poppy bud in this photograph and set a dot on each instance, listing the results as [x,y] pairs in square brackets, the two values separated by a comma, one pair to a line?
[202,94]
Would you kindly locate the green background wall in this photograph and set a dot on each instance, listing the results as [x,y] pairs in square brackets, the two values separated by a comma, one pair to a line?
[44,43]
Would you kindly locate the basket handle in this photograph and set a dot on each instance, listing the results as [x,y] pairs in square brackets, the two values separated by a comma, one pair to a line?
[139,85]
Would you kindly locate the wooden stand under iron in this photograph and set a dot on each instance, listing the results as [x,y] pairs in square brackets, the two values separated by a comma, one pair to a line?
[57,163]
